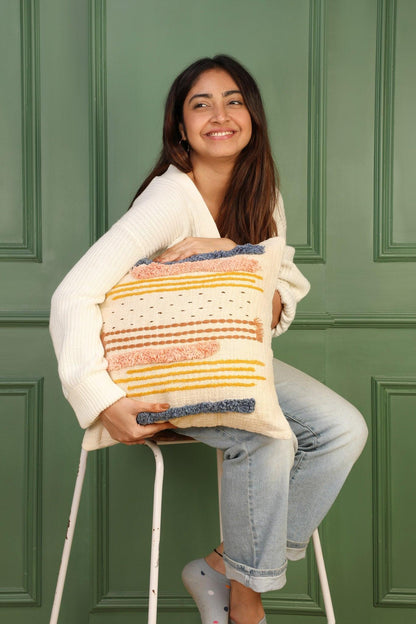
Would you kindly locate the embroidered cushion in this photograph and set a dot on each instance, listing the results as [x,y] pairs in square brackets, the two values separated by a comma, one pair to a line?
[196,334]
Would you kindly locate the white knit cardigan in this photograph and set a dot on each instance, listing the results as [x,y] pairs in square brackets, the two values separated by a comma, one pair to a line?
[170,209]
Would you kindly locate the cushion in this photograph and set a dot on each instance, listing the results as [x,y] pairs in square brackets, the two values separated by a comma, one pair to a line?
[196,334]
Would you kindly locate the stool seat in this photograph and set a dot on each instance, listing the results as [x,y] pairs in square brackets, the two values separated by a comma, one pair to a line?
[169,436]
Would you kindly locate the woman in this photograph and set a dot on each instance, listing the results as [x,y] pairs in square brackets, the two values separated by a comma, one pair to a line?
[213,187]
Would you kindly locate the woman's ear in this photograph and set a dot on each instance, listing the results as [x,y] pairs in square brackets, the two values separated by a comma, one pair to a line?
[182,132]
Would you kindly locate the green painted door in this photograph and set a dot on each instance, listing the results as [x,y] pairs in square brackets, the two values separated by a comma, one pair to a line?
[81,98]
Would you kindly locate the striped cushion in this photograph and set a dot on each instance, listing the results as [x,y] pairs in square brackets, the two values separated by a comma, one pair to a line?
[196,334]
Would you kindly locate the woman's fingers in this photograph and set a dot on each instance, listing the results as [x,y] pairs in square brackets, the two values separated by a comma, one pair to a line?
[181,250]
[143,406]
[120,420]
[194,245]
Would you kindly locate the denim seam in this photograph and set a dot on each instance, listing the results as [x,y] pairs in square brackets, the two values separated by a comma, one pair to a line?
[250,508]
[307,427]
[296,468]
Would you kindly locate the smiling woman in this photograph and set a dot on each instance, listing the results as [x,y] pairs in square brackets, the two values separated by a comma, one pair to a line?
[214,188]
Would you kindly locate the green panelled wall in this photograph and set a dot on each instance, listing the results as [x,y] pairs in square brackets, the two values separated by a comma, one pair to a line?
[82,86]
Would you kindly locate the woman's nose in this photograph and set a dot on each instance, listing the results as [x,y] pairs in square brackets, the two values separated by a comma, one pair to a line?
[220,113]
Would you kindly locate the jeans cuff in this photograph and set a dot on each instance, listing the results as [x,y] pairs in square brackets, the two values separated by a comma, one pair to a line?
[296,550]
[256,579]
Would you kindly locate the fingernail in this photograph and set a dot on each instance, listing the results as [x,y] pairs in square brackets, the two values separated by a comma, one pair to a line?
[164,405]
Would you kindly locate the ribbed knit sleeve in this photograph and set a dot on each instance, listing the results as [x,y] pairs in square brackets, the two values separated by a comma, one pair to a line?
[291,284]
[158,217]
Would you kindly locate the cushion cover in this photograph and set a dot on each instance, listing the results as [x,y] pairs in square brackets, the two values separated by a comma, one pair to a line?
[196,334]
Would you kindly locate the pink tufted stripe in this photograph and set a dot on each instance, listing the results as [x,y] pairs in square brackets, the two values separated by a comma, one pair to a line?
[158,269]
[193,351]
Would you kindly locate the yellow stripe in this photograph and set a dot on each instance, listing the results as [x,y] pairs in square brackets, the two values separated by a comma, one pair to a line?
[159,383]
[146,369]
[172,282]
[250,369]
[192,388]
[200,282]
[188,276]
[145,292]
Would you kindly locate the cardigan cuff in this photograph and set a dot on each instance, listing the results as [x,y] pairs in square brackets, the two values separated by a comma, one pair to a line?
[288,308]
[89,398]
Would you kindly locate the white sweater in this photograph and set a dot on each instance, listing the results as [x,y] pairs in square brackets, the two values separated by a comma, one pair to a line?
[170,209]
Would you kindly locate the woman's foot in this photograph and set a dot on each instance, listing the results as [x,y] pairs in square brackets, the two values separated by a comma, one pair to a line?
[209,588]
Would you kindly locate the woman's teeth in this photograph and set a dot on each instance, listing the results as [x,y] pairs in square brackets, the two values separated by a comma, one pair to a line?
[220,133]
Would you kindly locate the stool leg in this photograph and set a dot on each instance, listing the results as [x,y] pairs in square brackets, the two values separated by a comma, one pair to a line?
[157,514]
[68,539]
[220,459]
[329,610]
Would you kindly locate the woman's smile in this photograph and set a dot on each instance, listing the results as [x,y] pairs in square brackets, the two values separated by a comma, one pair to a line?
[220,134]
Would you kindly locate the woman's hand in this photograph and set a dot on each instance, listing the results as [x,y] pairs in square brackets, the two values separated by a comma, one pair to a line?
[120,420]
[193,245]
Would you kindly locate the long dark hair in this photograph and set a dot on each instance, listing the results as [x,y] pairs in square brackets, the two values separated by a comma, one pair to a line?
[245,215]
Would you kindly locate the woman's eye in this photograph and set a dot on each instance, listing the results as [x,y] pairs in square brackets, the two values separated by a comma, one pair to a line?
[200,105]
[236,102]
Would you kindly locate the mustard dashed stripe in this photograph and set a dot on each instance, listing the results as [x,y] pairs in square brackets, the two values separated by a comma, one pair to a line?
[183,333]
[163,342]
[184,324]
[219,285]
[197,276]
[209,378]
[221,385]
[146,369]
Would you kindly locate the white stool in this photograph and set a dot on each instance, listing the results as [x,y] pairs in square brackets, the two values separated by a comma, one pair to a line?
[154,555]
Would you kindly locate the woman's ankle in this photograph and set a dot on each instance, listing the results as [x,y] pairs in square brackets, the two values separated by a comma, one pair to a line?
[245,605]
[215,560]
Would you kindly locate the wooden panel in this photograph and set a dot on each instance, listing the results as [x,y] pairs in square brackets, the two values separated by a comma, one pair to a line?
[394,402]
[20,216]
[20,491]
[395,222]
[353,358]
[27,286]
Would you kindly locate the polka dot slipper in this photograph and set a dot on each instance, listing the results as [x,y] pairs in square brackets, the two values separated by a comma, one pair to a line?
[210,590]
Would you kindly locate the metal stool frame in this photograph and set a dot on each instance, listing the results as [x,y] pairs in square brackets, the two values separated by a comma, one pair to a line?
[154,555]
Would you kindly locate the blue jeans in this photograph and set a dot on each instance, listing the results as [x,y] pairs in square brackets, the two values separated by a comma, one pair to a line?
[276,492]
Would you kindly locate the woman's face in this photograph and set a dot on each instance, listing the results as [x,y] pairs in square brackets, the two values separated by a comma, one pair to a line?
[216,121]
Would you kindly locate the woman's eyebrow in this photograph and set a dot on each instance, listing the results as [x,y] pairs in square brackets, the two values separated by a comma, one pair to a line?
[209,95]
[227,93]
[200,95]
